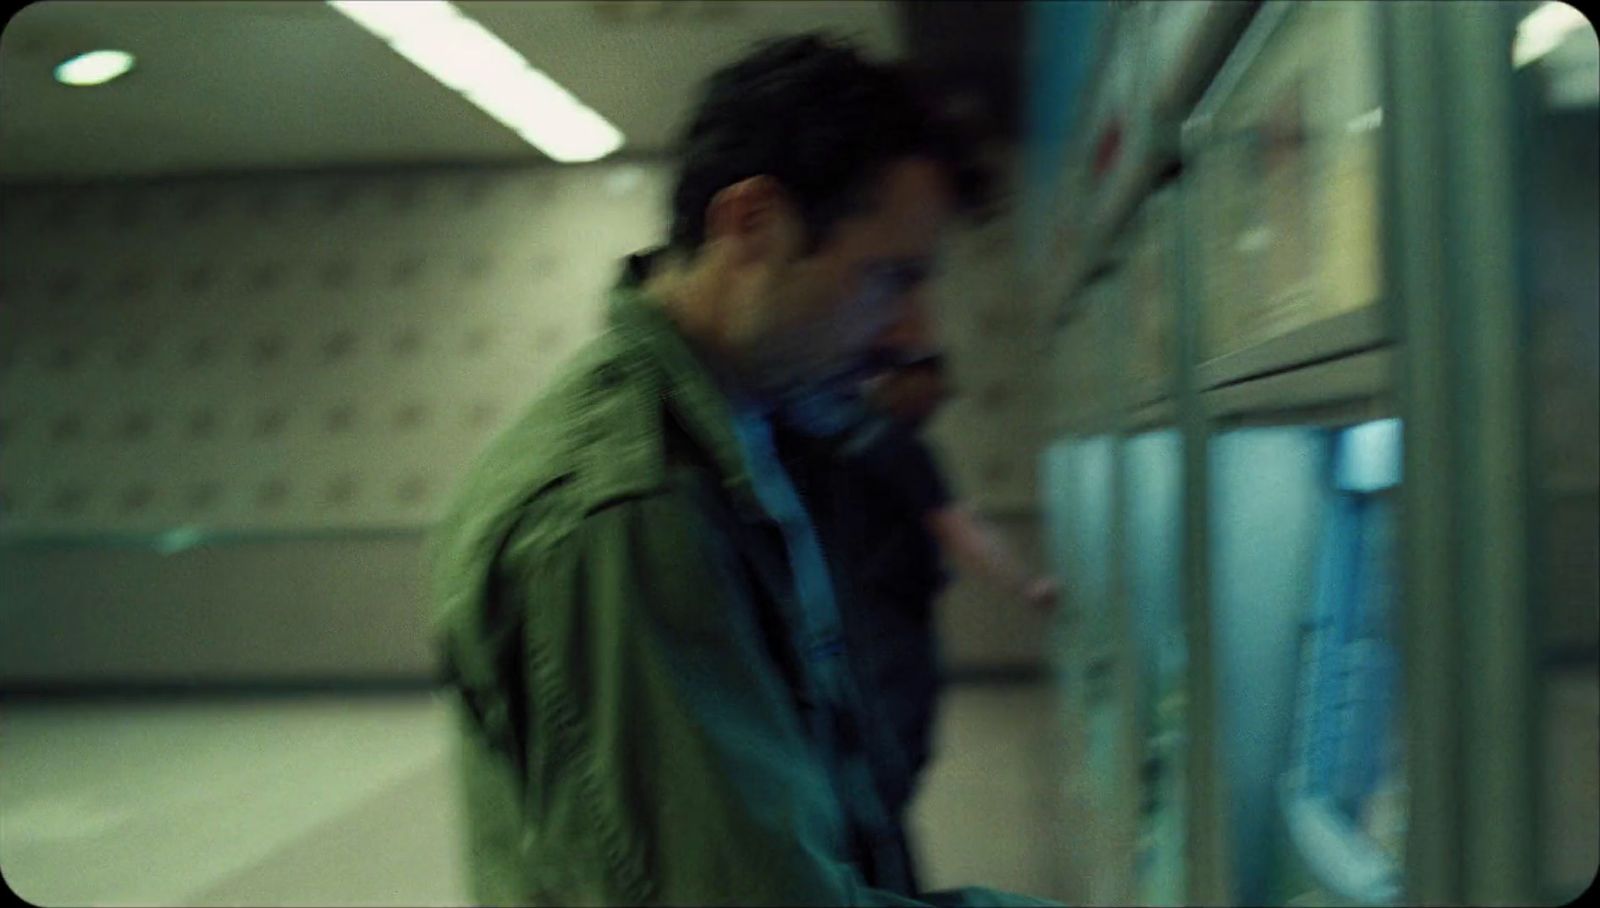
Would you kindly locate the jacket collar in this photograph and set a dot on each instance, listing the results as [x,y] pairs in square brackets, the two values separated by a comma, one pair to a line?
[690,391]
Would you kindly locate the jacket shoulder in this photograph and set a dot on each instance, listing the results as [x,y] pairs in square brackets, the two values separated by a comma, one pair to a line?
[594,436]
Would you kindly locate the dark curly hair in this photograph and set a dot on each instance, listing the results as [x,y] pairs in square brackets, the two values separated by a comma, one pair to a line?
[813,114]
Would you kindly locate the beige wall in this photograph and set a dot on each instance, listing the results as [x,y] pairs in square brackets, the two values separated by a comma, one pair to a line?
[299,367]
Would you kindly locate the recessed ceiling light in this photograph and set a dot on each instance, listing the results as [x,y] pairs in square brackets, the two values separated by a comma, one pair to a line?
[96,67]
[1542,30]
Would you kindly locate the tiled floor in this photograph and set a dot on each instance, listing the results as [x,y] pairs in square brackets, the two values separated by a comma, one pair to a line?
[996,805]
[349,801]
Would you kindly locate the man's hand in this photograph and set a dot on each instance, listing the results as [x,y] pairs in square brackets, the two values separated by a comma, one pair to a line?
[976,546]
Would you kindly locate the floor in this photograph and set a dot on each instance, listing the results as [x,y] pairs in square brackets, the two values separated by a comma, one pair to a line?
[348,801]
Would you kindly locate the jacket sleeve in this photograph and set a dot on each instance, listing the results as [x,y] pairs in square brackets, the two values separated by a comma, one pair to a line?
[668,763]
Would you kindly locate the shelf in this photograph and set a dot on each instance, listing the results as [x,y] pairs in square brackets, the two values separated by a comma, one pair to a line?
[1348,332]
[1151,117]
[1362,376]
[1065,289]
[1149,391]
[1240,60]
[1133,183]
[1211,33]
[1129,188]
[1162,412]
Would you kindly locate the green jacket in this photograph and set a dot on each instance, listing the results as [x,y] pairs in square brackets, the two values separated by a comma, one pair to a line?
[643,715]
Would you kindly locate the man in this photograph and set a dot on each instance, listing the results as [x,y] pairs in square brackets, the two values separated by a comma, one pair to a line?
[889,523]
[633,606]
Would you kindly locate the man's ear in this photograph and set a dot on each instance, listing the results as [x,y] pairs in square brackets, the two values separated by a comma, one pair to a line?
[752,217]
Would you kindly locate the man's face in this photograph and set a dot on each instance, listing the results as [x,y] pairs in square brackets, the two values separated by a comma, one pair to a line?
[864,282]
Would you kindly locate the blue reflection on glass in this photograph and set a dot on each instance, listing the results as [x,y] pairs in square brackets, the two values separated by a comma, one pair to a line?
[1341,796]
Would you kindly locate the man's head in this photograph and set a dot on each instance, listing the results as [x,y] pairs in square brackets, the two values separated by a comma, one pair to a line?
[814,190]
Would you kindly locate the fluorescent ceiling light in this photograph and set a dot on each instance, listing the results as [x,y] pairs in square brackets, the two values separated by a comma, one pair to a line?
[544,114]
[461,54]
[94,68]
[1542,30]
[469,59]
[392,20]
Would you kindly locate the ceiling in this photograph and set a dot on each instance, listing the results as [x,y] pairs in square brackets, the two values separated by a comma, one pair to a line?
[245,86]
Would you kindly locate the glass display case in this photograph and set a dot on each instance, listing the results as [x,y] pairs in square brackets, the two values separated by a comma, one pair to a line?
[1270,502]
[1153,463]
[1343,798]
[1079,499]
[1152,304]
[1301,456]
[1286,169]
[1357,558]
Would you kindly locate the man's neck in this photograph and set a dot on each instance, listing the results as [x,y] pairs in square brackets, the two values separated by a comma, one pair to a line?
[698,306]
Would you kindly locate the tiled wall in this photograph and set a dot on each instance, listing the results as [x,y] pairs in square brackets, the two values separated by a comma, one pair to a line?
[289,354]
[301,366]
[990,433]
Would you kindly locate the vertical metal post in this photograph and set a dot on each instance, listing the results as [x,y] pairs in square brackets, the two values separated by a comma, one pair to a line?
[1206,867]
[1490,334]
[1451,267]
[1130,743]
[1414,264]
